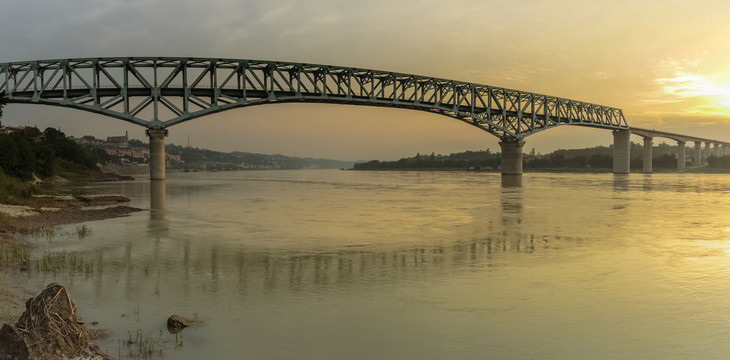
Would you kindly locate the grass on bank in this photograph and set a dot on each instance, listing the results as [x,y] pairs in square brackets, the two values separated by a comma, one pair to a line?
[16,192]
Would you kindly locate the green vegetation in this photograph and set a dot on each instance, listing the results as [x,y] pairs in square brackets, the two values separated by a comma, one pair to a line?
[32,152]
[16,192]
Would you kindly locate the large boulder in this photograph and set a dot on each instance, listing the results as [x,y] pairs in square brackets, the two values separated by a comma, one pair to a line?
[50,328]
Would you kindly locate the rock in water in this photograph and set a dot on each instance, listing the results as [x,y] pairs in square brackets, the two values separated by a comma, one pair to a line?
[176,323]
[50,328]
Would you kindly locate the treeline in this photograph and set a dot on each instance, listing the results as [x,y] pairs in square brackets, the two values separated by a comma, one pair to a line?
[474,160]
[30,151]
[601,157]
[598,158]
[722,162]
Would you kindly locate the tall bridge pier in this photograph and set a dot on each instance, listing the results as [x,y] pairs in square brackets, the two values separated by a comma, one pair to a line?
[648,143]
[698,152]
[511,156]
[158,188]
[621,151]
[622,148]
[157,153]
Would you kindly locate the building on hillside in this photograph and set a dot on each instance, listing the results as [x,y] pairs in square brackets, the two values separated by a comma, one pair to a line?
[119,141]
[141,154]
[175,157]
[11,129]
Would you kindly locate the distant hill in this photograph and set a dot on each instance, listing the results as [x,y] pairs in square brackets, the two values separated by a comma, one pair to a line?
[597,158]
[203,159]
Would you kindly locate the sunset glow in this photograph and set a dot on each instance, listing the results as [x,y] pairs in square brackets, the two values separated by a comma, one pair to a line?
[664,63]
[695,87]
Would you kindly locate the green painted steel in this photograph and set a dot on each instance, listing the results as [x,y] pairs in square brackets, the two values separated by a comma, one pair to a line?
[158,92]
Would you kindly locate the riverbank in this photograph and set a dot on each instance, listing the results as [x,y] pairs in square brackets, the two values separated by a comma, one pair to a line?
[46,213]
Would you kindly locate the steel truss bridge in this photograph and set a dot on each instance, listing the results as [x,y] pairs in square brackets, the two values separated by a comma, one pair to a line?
[158,92]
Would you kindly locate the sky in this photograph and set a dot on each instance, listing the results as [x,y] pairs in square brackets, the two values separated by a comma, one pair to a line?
[665,63]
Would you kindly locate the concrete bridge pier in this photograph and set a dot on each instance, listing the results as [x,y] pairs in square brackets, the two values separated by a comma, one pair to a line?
[621,152]
[157,153]
[698,153]
[716,150]
[511,156]
[647,154]
[708,151]
[681,155]
[157,172]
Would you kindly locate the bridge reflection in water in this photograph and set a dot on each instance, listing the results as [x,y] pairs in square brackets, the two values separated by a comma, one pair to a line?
[211,267]
[158,199]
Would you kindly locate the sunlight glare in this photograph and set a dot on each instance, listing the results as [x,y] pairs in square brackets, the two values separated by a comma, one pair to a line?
[692,86]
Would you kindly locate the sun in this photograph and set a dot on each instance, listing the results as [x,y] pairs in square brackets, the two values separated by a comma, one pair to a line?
[725,98]
[713,95]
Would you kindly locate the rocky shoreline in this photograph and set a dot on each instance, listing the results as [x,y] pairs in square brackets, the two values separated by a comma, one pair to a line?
[48,211]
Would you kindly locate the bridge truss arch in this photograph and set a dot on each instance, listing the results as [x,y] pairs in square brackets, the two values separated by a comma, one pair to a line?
[158,92]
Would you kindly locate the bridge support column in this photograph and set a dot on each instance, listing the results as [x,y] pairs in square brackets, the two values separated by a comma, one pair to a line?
[681,158]
[716,151]
[698,153]
[511,157]
[157,153]
[647,155]
[621,152]
[708,151]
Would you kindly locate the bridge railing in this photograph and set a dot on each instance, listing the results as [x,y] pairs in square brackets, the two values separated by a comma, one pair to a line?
[161,92]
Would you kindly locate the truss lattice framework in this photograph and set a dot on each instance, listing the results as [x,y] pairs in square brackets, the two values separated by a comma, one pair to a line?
[161,92]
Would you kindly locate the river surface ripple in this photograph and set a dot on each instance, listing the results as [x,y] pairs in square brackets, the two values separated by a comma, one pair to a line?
[408,265]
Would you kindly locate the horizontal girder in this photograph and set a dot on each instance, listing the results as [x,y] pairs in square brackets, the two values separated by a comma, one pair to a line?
[647,133]
[161,92]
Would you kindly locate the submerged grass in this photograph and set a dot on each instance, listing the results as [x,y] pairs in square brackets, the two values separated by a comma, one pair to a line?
[61,261]
[40,231]
[141,345]
[13,255]
[83,231]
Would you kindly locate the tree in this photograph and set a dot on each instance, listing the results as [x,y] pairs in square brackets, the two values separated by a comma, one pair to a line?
[9,150]
[2,103]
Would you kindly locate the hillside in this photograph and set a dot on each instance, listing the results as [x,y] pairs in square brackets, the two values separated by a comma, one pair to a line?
[203,159]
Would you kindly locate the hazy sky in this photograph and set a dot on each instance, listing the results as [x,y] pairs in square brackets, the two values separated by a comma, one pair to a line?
[665,63]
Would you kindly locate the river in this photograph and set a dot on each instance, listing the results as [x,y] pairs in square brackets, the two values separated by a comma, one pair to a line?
[329,264]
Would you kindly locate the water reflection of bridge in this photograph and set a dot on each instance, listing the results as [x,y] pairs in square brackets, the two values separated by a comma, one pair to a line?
[207,266]
[194,269]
